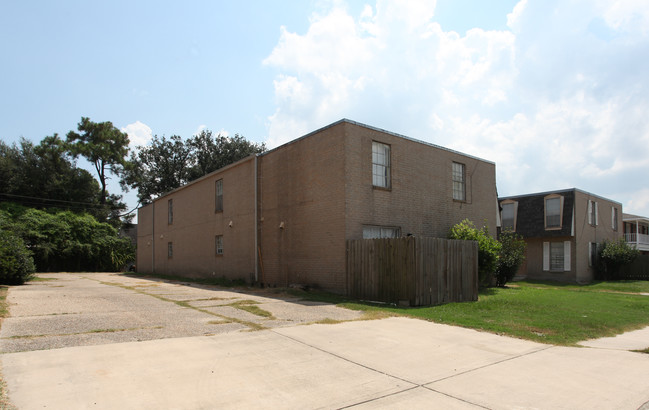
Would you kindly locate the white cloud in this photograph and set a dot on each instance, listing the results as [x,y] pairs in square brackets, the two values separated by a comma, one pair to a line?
[139,134]
[559,100]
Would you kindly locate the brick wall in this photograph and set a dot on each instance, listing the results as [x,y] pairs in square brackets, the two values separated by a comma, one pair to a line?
[420,201]
[195,225]
[301,185]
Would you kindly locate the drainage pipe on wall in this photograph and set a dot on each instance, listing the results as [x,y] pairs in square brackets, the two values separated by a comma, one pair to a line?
[256,224]
[153,237]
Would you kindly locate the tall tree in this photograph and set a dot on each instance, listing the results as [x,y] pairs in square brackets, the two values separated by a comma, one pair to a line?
[166,164]
[45,175]
[157,168]
[210,153]
[101,144]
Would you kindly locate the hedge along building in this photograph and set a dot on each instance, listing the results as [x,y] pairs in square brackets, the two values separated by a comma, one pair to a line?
[282,217]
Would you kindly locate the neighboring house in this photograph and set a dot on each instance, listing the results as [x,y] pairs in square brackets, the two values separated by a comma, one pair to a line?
[636,231]
[282,217]
[562,230]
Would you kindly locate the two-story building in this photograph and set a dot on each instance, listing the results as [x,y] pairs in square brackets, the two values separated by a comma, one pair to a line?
[562,230]
[282,217]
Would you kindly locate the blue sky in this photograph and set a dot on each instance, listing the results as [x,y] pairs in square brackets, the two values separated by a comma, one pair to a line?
[555,92]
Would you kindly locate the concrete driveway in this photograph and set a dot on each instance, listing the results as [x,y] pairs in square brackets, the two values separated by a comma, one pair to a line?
[108,341]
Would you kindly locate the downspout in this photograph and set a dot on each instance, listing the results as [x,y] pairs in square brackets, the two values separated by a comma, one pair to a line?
[255,252]
[153,238]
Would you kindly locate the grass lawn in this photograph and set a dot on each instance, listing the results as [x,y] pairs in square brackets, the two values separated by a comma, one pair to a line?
[540,311]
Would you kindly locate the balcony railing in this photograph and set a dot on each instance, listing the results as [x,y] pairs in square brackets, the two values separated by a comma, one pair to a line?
[637,238]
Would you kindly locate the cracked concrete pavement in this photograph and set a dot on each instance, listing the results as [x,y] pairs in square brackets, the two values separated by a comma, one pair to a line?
[111,341]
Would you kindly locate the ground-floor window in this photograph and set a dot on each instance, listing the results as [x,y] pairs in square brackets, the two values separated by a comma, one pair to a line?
[556,256]
[170,250]
[218,239]
[375,232]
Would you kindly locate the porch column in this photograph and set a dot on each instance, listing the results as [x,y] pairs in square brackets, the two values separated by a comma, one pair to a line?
[637,234]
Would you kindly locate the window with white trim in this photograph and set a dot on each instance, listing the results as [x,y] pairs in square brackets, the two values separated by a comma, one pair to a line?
[376,232]
[556,256]
[380,165]
[218,244]
[553,214]
[508,215]
[459,182]
[592,212]
[218,196]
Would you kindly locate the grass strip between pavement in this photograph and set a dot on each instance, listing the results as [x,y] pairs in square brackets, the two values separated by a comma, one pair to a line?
[539,311]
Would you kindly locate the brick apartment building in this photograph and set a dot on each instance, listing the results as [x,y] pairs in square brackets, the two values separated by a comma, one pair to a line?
[282,217]
[562,230]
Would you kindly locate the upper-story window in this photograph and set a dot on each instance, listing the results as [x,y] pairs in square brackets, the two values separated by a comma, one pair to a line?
[592,212]
[553,211]
[508,215]
[459,182]
[170,211]
[380,165]
[614,218]
[218,198]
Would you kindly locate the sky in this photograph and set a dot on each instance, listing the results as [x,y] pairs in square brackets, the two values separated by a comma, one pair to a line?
[555,92]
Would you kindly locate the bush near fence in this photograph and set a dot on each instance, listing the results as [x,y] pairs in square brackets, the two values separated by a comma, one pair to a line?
[412,271]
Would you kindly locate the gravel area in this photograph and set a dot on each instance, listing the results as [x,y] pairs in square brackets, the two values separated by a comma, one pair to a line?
[81,309]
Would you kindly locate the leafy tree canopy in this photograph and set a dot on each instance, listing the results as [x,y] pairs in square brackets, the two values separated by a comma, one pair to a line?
[168,163]
[103,145]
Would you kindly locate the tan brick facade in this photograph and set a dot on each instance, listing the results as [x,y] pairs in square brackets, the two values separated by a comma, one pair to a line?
[312,194]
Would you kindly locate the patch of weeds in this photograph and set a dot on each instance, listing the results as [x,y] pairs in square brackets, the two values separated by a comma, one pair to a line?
[4,312]
[185,304]
[327,321]
[249,306]
[642,350]
[219,322]
[222,281]
[39,279]
[4,307]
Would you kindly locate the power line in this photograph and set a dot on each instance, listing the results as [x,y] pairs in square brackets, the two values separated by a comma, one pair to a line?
[31,200]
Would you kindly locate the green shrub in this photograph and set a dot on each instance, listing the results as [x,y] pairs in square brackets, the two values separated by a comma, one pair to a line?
[488,248]
[512,255]
[612,256]
[16,263]
[66,241]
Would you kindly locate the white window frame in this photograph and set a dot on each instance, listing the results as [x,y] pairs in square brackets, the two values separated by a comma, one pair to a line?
[458,172]
[218,245]
[545,211]
[381,164]
[514,206]
[547,256]
[378,232]
[593,213]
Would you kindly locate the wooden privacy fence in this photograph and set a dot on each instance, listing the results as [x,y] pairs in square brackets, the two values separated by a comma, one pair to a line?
[636,270]
[412,271]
